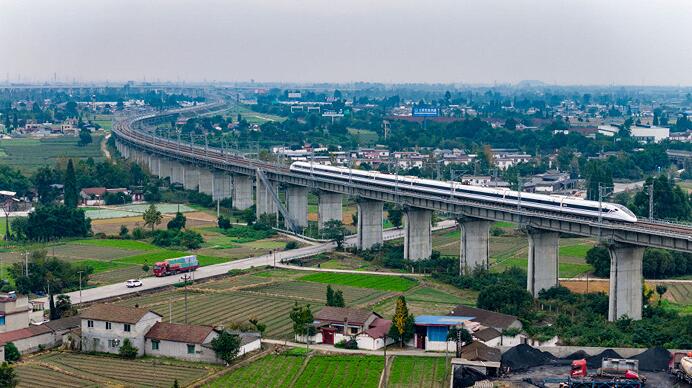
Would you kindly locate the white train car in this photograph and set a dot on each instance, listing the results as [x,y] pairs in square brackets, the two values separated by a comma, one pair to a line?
[569,205]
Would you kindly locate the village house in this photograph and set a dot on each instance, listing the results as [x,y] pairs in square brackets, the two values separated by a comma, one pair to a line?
[14,312]
[105,327]
[337,324]
[45,336]
[192,342]
[96,195]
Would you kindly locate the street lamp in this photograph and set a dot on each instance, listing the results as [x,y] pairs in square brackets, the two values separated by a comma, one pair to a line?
[185,279]
[80,286]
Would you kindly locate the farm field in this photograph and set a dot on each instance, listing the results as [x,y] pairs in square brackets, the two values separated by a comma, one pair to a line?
[58,369]
[108,212]
[407,371]
[341,371]
[377,282]
[28,154]
[195,219]
[364,136]
[316,292]
[272,371]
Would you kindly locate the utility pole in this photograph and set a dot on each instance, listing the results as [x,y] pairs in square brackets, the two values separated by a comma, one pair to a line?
[185,279]
[651,201]
[80,286]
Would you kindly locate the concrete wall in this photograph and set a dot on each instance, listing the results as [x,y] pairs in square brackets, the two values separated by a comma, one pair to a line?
[242,192]
[543,260]
[250,347]
[475,237]
[297,201]
[369,224]
[103,335]
[33,344]
[417,233]
[625,295]
[179,350]
[177,172]
[329,207]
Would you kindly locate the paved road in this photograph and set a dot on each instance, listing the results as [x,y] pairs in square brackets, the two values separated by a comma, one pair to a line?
[119,289]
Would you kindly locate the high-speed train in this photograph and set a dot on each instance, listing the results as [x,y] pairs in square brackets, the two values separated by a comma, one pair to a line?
[569,205]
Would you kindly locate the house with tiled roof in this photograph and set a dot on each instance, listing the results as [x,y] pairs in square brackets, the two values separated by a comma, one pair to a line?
[191,342]
[105,327]
[337,324]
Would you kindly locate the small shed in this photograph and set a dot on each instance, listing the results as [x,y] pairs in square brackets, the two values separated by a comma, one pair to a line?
[431,331]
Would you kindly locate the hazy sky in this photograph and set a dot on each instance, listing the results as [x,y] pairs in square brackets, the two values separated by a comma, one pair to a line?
[470,41]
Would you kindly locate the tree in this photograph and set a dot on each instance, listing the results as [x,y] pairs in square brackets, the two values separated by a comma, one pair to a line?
[11,353]
[127,350]
[71,191]
[395,216]
[669,200]
[57,221]
[261,327]
[336,231]
[339,299]
[63,307]
[402,328]
[84,137]
[598,174]
[8,377]
[660,290]
[302,320]
[330,295]
[190,239]
[460,336]
[123,231]
[224,223]
[152,216]
[507,298]
[599,258]
[43,179]
[226,346]
[44,272]
[176,384]
[178,222]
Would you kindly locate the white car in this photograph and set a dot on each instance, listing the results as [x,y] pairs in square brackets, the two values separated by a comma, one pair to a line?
[132,283]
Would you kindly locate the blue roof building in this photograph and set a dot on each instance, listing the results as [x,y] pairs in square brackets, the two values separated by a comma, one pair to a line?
[431,330]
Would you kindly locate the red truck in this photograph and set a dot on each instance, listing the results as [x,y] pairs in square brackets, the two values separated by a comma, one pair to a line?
[174,266]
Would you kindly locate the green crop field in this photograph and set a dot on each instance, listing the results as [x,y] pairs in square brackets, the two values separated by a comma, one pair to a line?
[377,282]
[268,372]
[122,244]
[364,136]
[58,369]
[432,295]
[341,371]
[317,291]
[409,371]
[28,154]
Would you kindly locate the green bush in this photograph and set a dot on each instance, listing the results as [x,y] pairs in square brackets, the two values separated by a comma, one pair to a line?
[11,353]
[127,350]
[291,245]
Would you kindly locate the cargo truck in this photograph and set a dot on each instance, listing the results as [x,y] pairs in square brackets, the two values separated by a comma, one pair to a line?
[680,366]
[613,373]
[175,266]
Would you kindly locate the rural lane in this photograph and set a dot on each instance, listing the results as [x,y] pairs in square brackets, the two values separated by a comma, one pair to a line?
[119,289]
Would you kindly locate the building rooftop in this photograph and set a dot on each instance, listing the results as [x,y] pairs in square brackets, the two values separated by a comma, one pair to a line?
[341,314]
[192,334]
[113,313]
[485,317]
[441,320]
[24,333]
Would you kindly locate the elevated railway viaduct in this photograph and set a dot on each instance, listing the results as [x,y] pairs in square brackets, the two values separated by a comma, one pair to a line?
[223,174]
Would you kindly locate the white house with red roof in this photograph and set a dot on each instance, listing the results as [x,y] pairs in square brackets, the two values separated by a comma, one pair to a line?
[337,324]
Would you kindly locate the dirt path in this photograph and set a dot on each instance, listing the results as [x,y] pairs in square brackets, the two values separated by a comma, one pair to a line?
[104,146]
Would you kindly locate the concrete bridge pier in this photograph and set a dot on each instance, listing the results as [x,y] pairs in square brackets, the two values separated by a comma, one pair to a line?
[297,203]
[329,207]
[263,197]
[625,295]
[475,239]
[242,192]
[177,172]
[543,260]
[191,178]
[166,167]
[417,233]
[222,185]
[206,181]
[369,223]
[155,165]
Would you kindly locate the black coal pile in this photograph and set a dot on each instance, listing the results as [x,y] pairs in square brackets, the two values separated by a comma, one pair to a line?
[467,377]
[524,356]
[653,360]
[578,355]
[595,361]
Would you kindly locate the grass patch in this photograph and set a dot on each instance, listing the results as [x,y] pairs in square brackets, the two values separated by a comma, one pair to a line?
[269,371]
[427,294]
[341,371]
[566,270]
[102,266]
[418,372]
[375,282]
[29,154]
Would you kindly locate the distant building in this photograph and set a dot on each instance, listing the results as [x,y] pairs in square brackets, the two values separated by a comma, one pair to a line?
[431,331]
[14,312]
[336,324]
[649,134]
